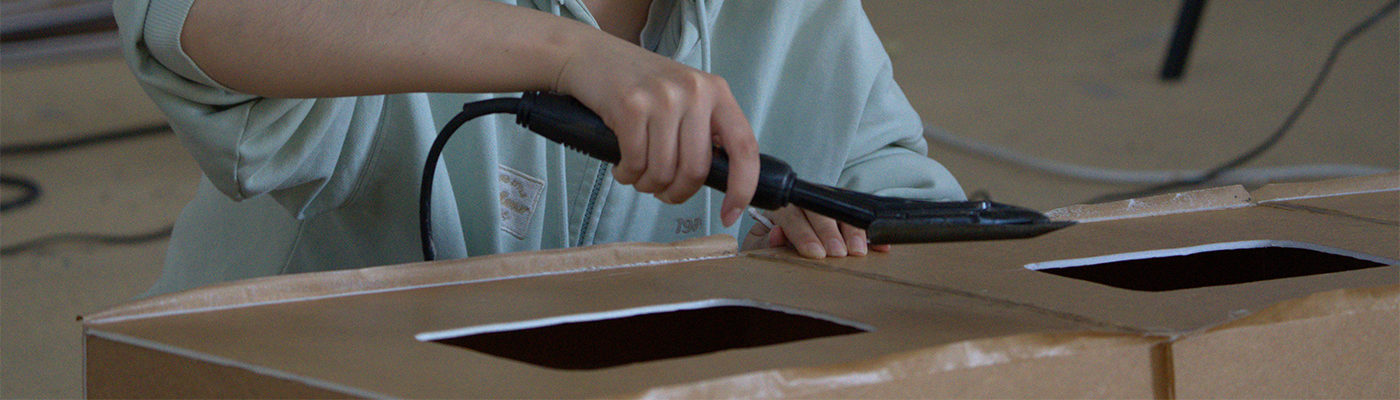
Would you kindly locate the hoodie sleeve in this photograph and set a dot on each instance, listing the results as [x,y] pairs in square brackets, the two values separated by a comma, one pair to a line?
[888,154]
[305,153]
[819,90]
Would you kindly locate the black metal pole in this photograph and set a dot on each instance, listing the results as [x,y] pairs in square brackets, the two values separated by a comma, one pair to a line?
[1186,23]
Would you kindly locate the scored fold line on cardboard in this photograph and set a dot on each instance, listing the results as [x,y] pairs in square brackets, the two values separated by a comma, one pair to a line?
[318,285]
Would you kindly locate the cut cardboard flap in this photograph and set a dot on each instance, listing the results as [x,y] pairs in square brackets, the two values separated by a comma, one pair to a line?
[1219,198]
[1225,197]
[1335,187]
[397,277]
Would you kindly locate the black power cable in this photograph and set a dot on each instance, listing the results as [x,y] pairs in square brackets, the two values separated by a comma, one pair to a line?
[469,111]
[1278,134]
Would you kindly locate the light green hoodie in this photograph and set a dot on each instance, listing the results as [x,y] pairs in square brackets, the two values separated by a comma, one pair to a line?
[295,185]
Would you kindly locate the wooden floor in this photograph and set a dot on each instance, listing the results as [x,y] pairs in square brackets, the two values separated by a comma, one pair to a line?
[1072,81]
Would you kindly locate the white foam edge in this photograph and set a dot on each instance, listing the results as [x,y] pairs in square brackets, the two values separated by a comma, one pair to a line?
[1182,251]
[629,312]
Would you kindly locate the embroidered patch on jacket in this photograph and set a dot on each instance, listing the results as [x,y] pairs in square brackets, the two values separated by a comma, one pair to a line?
[520,197]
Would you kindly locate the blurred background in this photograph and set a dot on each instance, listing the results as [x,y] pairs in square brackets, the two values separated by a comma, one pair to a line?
[1067,85]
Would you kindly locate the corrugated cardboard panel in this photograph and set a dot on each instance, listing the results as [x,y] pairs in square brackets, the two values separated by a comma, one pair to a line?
[369,341]
[119,370]
[1241,340]
[998,269]
[1080,365]
[1339,344]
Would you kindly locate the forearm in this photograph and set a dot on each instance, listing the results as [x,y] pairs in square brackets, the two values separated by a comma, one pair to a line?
[330,48]
[333,48]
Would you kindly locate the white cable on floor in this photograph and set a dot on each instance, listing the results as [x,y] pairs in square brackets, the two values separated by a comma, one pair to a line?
[1144,177]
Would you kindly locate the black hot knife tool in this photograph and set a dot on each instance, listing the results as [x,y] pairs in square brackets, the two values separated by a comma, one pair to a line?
[564,120]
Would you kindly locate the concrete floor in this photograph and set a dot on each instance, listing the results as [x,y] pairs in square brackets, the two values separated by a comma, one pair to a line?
[1066,80]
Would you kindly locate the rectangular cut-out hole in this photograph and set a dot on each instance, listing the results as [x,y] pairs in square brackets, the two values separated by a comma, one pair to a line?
[1211,265]
[638,335]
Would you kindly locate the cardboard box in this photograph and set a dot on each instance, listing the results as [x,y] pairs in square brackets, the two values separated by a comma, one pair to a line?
[383,342]
[1312,312]
[978,319]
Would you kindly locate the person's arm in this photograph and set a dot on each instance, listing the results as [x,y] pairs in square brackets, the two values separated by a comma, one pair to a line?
[665,114]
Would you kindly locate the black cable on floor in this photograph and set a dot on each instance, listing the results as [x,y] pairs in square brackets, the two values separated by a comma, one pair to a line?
[1278,134]
[86,140]
[32,191]
[31,187]
[98,238]
[26,185]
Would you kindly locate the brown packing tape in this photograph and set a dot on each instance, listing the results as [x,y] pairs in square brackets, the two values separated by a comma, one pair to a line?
[1334,187]
[345,282]
[1038,365]
[1175,203]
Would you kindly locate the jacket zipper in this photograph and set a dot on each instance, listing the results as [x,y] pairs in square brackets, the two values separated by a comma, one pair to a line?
[598,181]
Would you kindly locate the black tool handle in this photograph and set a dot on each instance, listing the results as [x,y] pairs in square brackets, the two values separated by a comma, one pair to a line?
[565,120]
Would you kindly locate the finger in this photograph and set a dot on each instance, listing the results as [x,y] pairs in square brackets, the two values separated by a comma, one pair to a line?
[694,156]
[883,248]
[828,233]
[776,237]
[857,243]
[631,132]
[736,136]
[661,152]
[798,230]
